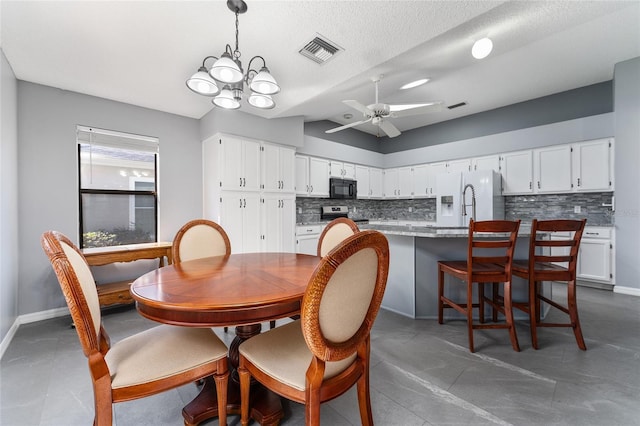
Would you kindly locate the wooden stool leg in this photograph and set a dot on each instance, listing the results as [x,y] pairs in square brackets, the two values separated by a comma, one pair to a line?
[573,314]
[440,294]
[495,296]
[481,302]
[534,312]
[470,314]
[508,313]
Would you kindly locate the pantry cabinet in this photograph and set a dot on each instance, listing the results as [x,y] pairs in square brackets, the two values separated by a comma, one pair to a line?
[278,223]
[238,162]
[278,163]
[240,218]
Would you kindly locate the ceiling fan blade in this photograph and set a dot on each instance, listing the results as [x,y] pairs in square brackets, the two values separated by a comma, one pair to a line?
[391,130]
[346,126]
[415,109]
[358,106]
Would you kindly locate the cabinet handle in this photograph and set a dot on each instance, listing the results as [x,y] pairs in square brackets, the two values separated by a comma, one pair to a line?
[245,203]
[578,181]
[240,181]
[530,185]
[307,188]
[311,188]
[538,184]
[240,202]
[592,233]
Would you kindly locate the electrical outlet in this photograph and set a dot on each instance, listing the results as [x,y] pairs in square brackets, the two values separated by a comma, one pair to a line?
[577,209]
[354,209]
[410,209]
[299,210]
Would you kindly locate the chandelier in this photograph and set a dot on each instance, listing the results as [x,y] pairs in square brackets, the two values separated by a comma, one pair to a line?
[225,80]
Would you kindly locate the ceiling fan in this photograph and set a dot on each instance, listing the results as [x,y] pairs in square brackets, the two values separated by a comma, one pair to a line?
[379,113]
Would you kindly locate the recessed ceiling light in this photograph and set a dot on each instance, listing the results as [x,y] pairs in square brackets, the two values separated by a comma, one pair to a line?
[414,84]
[482,48]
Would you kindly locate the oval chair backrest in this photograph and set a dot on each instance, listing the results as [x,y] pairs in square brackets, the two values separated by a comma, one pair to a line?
[344,294]
[78,286]
[200,238]
[335,232]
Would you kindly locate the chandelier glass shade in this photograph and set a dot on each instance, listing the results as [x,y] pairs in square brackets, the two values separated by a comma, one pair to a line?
[225,79]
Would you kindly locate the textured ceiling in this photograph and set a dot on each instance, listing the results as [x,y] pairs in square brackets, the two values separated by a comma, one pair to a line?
[141,52]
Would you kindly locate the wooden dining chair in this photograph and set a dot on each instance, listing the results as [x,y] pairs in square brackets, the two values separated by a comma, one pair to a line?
[326,352]
[489,260]
[200,238]
[144,364]
[553,256]
[334,233]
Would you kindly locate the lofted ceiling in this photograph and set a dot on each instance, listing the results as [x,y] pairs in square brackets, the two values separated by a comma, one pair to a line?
[141,52]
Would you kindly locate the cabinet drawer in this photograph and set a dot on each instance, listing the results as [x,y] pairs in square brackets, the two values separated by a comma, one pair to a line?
[597,232]
[308,230]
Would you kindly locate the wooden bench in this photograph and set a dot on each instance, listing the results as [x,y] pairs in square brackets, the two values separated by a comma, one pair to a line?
[118,292]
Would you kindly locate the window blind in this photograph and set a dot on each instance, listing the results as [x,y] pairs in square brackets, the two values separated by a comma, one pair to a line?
[113,139]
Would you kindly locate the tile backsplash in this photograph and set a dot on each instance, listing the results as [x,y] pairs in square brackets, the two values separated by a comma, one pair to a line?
[524,207]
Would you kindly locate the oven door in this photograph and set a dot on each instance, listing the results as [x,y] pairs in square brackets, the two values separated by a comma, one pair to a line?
[342,188]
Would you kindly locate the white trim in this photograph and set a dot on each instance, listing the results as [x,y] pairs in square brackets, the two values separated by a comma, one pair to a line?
[29,318]
[626,290]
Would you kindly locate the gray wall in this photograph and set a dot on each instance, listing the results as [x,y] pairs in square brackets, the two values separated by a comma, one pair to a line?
[8,196]
[627,171]
[47,174]
[285,131]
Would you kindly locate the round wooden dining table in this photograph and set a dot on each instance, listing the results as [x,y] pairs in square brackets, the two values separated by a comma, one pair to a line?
[242,290]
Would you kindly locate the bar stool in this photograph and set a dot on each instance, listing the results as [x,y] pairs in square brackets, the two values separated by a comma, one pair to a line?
[551,259]
[489,260]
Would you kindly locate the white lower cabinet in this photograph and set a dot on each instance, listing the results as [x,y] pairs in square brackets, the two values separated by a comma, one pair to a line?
[596,255]
[240,218]
[279,222]
[307,237]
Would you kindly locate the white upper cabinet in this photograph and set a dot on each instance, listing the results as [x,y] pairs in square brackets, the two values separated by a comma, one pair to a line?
[593,165]
[278,163]
[421,185]
[318,177]
[490,162]
[362,176]
[390,183]
[459,166]
[375,182]
[517,173]
[239,164]
[405,182]
[302,175]
[552,169]
[342,170]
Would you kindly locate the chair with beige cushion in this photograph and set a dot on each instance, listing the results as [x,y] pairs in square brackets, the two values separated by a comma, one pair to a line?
[334,233]
[200,238]
[326,352]
[144,364]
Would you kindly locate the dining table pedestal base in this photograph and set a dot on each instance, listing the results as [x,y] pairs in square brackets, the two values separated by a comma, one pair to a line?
[265,407]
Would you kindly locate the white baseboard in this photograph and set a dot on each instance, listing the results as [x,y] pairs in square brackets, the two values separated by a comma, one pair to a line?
[29,318]
[632,291]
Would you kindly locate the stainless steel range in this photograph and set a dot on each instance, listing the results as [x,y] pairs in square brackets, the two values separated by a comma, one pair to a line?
[333,212]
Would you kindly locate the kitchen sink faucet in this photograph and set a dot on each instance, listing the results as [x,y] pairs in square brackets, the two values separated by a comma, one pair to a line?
[473,201]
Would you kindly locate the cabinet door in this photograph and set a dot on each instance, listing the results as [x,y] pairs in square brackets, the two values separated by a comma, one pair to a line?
[459,166]
[271,168]
[288,225]
[362,176]
[287,169]
[349,170]
[251,165]
[421,181]
[271,223]
[302,175]
[594,260]
[390,182]
[231,219]
[231,164]
[552,169]
[491,162]
[375,182]
[251,222]
[593,165]
[318,177]
[405,182]
[517,176]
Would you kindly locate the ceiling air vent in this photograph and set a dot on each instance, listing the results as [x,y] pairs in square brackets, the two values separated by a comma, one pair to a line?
[320,50]
[457,105]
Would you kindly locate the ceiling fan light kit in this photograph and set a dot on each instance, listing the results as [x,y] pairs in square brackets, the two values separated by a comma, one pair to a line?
[482,48]
[378,113]
[226,79]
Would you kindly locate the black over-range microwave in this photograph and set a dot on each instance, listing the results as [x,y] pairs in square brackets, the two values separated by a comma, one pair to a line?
[343,188]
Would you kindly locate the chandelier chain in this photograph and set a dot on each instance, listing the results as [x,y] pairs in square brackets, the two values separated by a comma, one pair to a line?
[236,54]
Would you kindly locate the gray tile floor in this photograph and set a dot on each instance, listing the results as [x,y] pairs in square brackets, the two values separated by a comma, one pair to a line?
[422,374]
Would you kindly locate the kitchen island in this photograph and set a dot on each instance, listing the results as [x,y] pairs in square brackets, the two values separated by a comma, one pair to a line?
[414,252]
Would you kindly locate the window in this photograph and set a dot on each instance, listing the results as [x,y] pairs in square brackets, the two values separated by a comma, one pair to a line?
[118,191]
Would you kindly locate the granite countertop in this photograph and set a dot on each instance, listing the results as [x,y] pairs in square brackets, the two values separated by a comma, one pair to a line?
[433,231]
